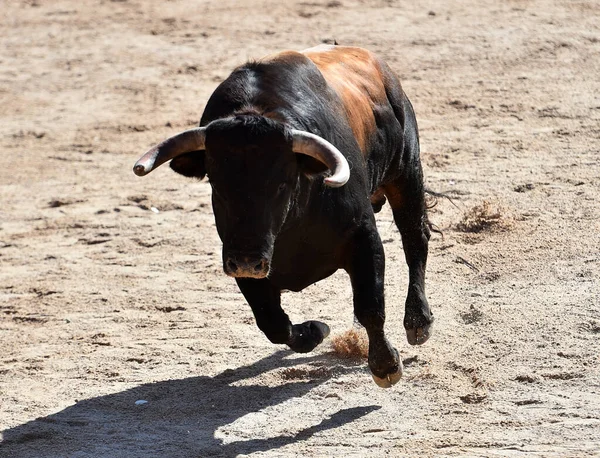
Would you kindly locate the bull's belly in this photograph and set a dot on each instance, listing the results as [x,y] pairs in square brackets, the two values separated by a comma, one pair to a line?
[297,282]
[294,270]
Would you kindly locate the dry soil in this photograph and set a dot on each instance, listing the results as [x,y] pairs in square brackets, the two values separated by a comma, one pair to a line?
[111,287]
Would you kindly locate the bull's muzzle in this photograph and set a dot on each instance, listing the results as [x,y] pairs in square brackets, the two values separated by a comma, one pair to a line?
[244,266]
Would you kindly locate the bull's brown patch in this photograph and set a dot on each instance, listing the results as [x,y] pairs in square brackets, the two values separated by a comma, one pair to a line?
[355,75]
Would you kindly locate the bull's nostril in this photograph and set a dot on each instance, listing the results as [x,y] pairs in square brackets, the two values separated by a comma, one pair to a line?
[232,266]
[260,266]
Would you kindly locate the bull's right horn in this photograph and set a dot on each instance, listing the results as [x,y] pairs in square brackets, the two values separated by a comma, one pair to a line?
[319,148]
[184,142]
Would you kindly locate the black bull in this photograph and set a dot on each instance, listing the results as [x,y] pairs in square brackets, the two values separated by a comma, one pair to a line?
[301,148]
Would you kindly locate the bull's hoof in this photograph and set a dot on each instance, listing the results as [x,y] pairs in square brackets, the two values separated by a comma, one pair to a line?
[418,320]
[390,379]
[385,363]
[306,336]
[418,336]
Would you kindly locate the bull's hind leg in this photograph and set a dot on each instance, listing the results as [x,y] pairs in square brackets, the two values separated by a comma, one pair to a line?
[367,269]
[265,301]
[406,196]
[407,199]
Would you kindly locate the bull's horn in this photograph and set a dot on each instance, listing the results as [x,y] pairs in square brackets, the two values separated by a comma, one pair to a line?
[184,142]
[319,148]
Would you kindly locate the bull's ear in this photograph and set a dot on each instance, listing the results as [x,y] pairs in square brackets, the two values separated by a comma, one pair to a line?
[310,166]
[190,165]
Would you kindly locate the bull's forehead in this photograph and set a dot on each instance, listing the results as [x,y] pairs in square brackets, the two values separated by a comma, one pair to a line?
[247,132]
[246,152]
[251,164]
[248,148]
[262,159]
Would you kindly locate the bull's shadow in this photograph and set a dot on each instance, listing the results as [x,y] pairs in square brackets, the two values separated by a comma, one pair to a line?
[179,420]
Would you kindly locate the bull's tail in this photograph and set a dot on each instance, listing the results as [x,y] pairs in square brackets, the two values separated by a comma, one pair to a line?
[431,201]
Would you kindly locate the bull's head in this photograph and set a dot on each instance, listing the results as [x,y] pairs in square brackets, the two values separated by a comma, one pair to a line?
[254,165]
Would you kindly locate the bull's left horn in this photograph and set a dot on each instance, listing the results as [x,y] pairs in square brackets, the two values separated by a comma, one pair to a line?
[184,142]
[319,148]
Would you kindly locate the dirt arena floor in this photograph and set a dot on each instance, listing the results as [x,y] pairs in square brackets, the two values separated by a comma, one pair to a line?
[111,287]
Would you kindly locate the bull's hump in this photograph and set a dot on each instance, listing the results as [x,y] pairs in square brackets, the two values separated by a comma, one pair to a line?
[286,57]
[355,74]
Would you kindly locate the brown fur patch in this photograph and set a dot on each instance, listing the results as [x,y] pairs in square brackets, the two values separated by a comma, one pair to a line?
[355,75]
[394,196]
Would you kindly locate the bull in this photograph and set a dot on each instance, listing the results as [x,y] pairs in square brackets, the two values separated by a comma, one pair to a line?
[301,149]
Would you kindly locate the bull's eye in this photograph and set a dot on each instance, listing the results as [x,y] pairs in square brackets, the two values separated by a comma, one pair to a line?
[281,187]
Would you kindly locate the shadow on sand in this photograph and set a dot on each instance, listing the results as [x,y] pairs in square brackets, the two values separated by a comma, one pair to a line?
[180,419]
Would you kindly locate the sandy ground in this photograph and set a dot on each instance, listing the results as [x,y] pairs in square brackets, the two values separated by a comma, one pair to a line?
[111,289]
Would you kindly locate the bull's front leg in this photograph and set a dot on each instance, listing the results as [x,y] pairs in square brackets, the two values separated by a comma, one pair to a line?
[367,269]
[265,301]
